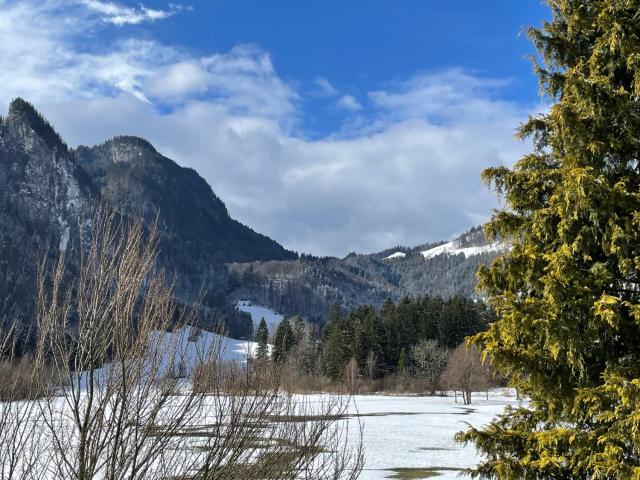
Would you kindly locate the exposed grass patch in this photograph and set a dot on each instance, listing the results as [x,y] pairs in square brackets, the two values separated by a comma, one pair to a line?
[413,473]
[418,473]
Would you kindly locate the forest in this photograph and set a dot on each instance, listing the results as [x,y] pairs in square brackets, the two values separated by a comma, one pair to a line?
[389,348]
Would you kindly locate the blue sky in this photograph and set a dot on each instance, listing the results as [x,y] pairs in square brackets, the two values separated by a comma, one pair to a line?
[331,126]
[358,45]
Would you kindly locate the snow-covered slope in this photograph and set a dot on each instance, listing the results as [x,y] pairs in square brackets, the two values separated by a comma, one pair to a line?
[453,248]
[258,312]
[192,344]
[182,350]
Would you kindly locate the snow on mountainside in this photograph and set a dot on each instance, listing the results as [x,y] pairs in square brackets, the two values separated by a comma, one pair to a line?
[454,248]
[259,312]
[310,285]
[395,255]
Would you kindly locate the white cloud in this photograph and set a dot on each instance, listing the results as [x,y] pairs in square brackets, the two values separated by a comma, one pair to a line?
[41,57]
[325,88]
[405,175]
[117,14]
[349,102]
[444,96]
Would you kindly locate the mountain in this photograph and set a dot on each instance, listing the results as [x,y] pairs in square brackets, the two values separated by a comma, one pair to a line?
[47,189]
[198,235]
[309,285]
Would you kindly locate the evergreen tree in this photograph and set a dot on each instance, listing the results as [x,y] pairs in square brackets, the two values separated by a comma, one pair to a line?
[262,338]
[336,350]
[567,295]
[283,341]
[390,322]
[406,326]
[369,341]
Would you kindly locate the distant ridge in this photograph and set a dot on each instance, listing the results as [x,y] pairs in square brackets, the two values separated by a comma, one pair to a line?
[309,286]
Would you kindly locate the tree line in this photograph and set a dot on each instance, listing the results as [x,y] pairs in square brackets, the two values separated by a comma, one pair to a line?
[411,338]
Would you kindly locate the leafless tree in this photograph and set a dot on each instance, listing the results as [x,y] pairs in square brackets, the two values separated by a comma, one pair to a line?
[430,360]
[466,372]
[371,365]
[254,430]
[126,399]
[352,375]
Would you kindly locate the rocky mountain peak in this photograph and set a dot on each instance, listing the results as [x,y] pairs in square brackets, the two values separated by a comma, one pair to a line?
[127,148]
[27,126]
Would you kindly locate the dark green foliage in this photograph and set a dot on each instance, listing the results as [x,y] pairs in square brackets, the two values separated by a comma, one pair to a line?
[370,341]
[381,340]
[336,350]
[262,338]
[283,341]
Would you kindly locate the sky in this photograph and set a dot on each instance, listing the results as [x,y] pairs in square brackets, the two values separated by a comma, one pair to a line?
[331,126]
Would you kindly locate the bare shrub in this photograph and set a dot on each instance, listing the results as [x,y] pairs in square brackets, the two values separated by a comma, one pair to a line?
[352,375]
[466,372]
[20,439]
[128,400]
[257,430]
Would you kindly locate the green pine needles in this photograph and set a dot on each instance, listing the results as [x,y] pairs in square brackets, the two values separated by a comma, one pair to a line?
[262,339]
[567,295]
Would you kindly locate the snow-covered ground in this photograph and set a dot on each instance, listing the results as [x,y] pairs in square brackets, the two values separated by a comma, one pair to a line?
[185,348]
[452,248]
[417,432]
[193,343]
[257,312]
[399,431]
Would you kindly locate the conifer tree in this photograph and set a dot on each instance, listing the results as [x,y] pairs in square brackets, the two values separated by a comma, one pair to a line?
[390,322]
[336,351]
[262,338]
[567,295]
[369,340]
[283,341]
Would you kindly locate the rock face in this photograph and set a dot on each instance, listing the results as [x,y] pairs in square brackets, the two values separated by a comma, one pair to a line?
[42,194]
[47,189]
